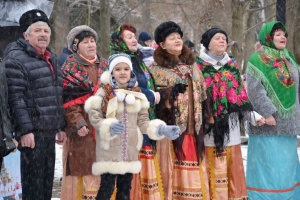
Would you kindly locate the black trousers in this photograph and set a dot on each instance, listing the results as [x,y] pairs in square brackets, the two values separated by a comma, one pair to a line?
[108,183]
[37,169]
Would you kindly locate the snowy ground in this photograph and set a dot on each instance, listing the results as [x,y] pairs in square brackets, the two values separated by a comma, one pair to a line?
[58,163]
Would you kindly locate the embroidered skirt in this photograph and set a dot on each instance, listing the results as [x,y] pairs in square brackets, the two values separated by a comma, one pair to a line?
[273,169]
[80,187]
[184,179]
[226,173]
[147,184]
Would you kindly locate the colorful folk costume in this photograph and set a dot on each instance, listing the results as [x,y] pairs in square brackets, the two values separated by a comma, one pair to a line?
[273,169]
[227,100]
[147,184]
[182,89]
[227,103]
[81,80]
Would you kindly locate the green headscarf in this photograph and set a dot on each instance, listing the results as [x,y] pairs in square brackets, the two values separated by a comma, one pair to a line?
[273,67]
[118,45]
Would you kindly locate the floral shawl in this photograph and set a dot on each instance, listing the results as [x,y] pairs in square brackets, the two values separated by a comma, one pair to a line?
[77,85]
[118,45]
[228,95]
[273,67]
[168,71]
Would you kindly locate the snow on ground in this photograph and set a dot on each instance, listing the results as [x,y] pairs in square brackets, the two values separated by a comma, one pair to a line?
[58,162]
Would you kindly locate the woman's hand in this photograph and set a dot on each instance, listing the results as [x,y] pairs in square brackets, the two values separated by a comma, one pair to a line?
[83,131]
[261,122]
[157,97]
[61,138]
[270,121]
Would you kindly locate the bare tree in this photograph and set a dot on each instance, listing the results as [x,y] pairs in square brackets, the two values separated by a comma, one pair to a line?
[296,38]
[146,17]
[104,28]
[60,20]
[254,17]
[238,10]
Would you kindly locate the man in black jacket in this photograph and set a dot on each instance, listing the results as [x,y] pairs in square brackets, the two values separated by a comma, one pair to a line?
[7,143]
[35,84]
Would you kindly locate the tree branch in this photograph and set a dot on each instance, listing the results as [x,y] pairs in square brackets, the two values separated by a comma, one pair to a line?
[130,11]
[257,9]
[292,6]
[246,31]
[187,19]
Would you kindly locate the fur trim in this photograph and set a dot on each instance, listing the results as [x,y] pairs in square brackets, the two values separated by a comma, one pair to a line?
[104,132]
[94,102]
[164,59]
[152,128]
[140,139]
[102,167]
[145,104]
[105,78]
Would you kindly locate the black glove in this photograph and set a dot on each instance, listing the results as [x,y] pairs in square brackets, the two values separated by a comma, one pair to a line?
[178,88]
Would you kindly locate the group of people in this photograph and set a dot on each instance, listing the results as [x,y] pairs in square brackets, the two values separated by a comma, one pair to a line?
[168,129]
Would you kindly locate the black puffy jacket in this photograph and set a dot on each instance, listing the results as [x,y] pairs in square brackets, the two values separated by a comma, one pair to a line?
[5,123]
[35,95]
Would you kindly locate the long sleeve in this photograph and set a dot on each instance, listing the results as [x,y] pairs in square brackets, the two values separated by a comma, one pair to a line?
[75,119]
[17,86]
[258,97]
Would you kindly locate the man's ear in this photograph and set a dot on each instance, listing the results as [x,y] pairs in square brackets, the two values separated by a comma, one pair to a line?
[25,36]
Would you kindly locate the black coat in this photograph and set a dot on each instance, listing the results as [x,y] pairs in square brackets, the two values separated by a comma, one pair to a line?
[63,56]
[5,124]
[35,94]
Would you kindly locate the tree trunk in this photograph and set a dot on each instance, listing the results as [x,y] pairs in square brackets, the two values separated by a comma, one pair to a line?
[104,35]
[237,8]
[60,26]
[297,35]
[146,18]
[251,35]
[292,21]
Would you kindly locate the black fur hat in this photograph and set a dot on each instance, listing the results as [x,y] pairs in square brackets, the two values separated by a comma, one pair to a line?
[165,29]
[31,17]
[189,43]
[209,34]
